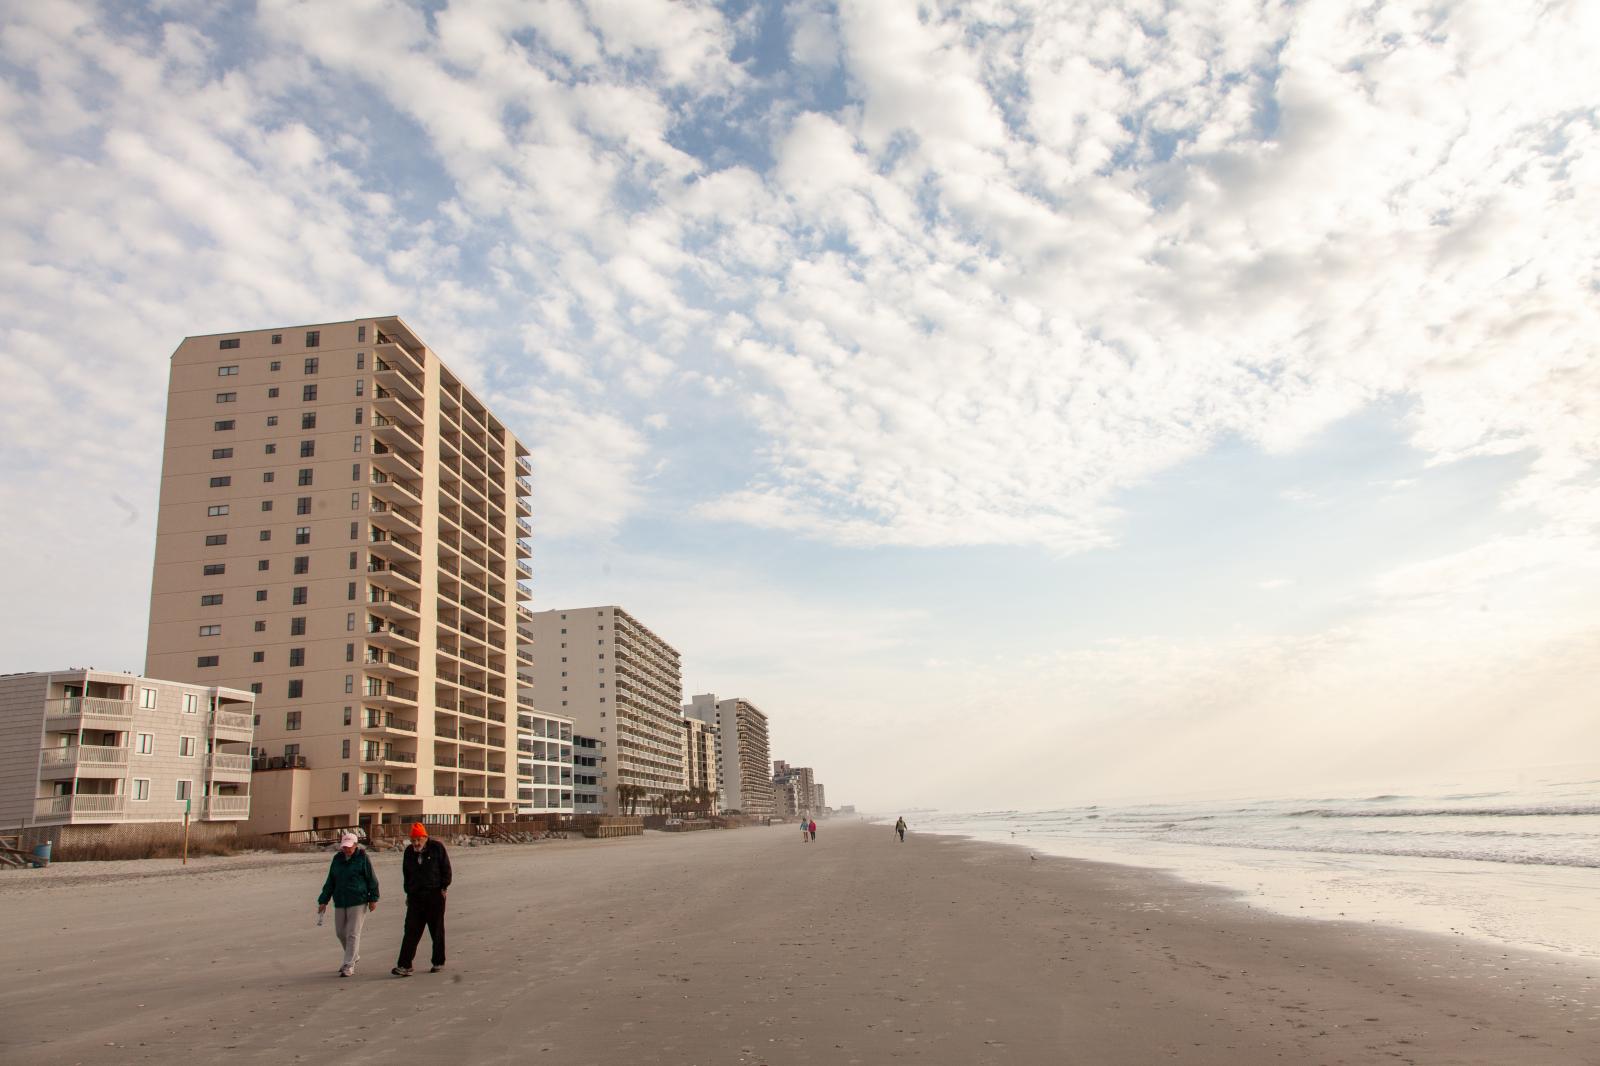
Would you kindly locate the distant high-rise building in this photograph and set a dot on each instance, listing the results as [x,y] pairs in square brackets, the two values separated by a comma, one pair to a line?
[620,684]
[744,764]
[343,532]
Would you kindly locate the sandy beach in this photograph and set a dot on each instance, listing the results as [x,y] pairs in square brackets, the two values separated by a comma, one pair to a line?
[748,946]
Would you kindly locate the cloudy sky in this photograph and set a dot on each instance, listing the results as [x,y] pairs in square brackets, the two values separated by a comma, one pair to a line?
[1022,402]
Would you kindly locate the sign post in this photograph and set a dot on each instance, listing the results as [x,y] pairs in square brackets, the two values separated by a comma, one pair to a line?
[186,804]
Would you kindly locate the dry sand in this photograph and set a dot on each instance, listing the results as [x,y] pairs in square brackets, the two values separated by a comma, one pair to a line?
[750,947]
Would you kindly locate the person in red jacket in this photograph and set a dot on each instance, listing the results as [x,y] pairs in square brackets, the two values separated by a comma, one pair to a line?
[426,869]
[812,828]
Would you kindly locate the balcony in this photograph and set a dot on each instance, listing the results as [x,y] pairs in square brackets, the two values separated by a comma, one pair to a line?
[392,352]
[524,465]
[388,605]
[390,635]
[397,406]
[394,518]
[86,807]
[235,726]
[88,707]
[393,483]
[524,486]
[384,721]
[396,375]
[388,546]
[524,529]
[392,578]
[390,693]
[83,759]
[389,664]
[228,767]
[227,808]
[396,435]
[389,755]
[390,789]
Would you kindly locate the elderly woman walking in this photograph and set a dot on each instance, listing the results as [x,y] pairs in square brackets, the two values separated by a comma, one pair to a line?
[353,887]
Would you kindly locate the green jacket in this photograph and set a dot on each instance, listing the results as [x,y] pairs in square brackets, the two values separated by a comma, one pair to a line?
[351,882]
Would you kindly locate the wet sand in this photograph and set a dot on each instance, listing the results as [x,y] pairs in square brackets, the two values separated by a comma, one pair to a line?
[750,947]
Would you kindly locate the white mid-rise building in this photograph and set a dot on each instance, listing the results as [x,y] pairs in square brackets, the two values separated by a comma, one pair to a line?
[544,763]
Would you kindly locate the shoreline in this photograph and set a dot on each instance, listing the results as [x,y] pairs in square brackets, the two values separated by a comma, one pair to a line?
[735,946]
[1529,898]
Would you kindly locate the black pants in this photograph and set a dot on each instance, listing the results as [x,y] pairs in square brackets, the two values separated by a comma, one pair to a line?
[423,909]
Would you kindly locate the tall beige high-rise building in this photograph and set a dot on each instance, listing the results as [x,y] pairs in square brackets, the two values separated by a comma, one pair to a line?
[744,767]
[342,532]
[621,684]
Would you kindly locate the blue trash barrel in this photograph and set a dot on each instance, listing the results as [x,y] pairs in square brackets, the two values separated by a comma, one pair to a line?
[41,855]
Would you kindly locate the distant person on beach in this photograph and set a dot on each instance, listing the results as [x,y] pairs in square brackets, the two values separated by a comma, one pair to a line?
[812,827]
[900,827]
[352,886]
[804,836]
[426,869]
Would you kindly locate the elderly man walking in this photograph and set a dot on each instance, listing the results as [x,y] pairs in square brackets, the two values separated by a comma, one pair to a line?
[352,886]
[426,869]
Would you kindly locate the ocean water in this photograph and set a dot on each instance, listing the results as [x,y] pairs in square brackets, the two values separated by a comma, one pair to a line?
[1509,858]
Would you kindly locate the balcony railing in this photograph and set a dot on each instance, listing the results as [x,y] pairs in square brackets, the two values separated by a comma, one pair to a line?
[72,706]
[218,761]
[79,804]
[230,720]
[227,806]
[83,754]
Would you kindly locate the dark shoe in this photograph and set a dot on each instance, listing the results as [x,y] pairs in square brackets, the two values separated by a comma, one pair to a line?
[436,968]
[401,971]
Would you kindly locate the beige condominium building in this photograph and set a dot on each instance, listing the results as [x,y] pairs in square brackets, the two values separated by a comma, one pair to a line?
[620,684]
[92,747]
[744,767]
[700,763]
[343,532]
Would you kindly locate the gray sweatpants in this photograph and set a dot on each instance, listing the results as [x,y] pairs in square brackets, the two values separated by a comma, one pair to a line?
[347,923]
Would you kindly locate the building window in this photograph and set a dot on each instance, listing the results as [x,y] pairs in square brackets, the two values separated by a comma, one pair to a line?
[266,505]
[217,510]
[355,527]
[263,564]
[265,534]
[222,481]
[297,626]
[350,591]
[272,393]
[213,569]
[344,778]
[347,718]
[147,698]
[302,564]
[222,453]
[212,600]
[226,343]
[145,744]
[350,625]
[361,338]
[272,420]
[226,423]
[271,449]
[361,386]
[255,689]
[302,505]
[297,656]
[308,393]
[344,747]
[141,789]
[355,472]
[184,788]
[268,477]
[290,750]
[349,682]
[354,557]
[227,397]
[308,420]
[308,448]
[302,534]
[258,657]
[349,657]
[261,625]
[205,660]
[211,630]
[305,475]
[214,539]
[361,415]
[297,598]
[186,747]
[313,340]
[297,688]
[261,595]
[357,448]
[355,500]
[277,338]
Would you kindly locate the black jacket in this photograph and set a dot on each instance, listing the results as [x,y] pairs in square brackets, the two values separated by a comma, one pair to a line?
[427,870]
